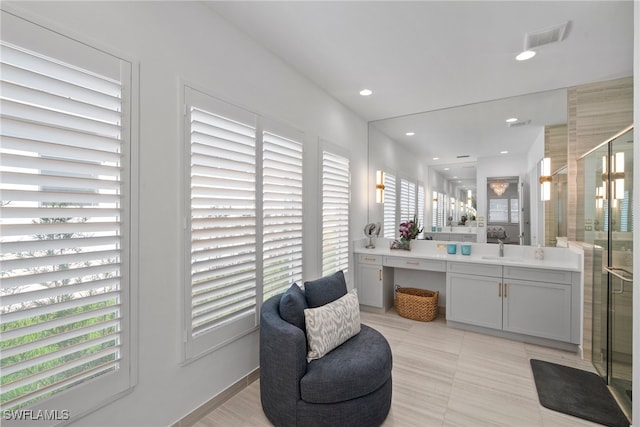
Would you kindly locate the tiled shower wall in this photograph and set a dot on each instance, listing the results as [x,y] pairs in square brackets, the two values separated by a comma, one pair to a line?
[596,112]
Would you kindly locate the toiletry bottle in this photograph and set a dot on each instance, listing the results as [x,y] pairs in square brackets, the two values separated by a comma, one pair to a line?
[539,253]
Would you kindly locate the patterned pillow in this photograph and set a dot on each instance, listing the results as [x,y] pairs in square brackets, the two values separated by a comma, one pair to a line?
[332,324]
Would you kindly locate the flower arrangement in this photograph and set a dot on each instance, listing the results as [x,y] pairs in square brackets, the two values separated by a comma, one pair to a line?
[409,230]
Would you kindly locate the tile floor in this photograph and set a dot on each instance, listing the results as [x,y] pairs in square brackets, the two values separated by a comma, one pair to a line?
[442,377]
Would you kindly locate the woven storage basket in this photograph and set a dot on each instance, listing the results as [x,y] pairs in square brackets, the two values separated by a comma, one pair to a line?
[417,304]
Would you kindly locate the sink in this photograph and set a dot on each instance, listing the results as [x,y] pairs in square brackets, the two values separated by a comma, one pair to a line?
[502,258]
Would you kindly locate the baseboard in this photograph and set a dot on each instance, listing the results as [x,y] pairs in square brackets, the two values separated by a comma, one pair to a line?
[197,414]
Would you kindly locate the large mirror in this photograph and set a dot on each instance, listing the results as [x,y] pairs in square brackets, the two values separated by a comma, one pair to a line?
[454,152]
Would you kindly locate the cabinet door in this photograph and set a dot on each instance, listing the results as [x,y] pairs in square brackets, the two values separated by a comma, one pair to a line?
[475,300]
[369,285]
[537,309]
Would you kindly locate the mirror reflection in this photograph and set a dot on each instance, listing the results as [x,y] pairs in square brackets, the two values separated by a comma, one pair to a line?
[454,153]
[556,210]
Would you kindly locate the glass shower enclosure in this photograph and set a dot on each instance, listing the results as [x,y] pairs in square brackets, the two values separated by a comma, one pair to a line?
[608,227]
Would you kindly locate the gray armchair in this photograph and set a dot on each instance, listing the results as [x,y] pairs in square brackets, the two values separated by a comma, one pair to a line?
[349,386]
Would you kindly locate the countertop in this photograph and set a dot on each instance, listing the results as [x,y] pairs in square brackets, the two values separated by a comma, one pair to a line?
[566,259]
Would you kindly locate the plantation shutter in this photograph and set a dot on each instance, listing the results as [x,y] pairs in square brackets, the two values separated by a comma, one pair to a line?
[222,185]
[282,212]
[434,209]
[442,202]
[390,223]
[421,204]
[65,226]
[407,200]
[335,213]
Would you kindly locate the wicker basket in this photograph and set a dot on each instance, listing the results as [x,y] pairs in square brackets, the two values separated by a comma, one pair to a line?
[417,304]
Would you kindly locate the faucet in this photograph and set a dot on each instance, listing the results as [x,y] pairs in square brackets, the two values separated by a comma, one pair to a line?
[501,243]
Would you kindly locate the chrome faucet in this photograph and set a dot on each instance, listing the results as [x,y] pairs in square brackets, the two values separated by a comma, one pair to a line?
[501,243]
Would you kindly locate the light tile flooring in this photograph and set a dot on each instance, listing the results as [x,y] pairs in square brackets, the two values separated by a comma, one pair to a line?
[442,377]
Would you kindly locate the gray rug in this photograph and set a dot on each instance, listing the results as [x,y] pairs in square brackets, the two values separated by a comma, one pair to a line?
[576,392]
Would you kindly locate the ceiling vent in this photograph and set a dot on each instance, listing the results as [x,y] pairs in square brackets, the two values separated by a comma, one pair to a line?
[545,36]
[518,124]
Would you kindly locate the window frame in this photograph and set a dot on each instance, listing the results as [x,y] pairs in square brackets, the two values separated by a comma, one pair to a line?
[191,94]
[84,398]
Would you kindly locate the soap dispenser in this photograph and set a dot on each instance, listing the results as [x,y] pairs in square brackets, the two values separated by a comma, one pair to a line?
[539,253]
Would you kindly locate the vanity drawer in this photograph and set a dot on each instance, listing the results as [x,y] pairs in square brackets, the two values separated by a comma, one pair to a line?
[415,263]
[538,275]
[490,270]
[370,259]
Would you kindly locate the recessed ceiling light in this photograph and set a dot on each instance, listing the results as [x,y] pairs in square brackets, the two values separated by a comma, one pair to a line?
[436,158]
[504,152]
[410,133]
[446,169]
[455,177]
[527,54]
[512,120]
[366,92]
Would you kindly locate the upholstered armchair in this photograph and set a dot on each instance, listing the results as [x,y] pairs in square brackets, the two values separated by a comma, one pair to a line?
[306,382]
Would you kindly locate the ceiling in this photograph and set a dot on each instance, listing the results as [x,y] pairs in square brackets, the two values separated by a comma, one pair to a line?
[426,56]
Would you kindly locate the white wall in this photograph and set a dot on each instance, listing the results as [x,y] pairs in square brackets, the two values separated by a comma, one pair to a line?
[185,41]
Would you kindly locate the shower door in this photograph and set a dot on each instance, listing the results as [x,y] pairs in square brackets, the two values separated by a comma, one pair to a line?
[608,176]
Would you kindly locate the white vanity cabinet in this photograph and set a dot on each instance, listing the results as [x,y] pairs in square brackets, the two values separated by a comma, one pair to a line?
[530,301]
[474,294]
[374,287]
[537,302]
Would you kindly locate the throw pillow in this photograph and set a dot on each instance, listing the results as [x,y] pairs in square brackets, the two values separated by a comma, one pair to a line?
[292,306]
[325,290]
[332,324]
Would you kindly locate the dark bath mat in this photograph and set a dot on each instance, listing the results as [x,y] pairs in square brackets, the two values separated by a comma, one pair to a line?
[576,392]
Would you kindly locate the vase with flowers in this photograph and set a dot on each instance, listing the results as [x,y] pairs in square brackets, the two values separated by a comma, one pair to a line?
[409,230]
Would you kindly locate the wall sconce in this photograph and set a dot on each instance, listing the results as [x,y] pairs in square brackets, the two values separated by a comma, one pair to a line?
[499,187]
[545,179]
[379,187]
[600,195]
[469,198]
[617,175]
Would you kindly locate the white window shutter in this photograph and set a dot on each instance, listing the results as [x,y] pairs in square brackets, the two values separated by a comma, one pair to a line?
[64,215]
[407,200]
[222,185]
[390,223]
[421,204]
[335,213]
[282,213]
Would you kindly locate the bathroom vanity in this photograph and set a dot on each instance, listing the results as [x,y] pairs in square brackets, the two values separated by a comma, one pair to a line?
[514,295]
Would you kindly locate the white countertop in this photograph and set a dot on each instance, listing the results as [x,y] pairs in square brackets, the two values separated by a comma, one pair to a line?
[566,259]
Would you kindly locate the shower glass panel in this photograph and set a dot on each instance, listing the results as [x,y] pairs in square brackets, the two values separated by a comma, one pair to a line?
[608,180]
[621,267]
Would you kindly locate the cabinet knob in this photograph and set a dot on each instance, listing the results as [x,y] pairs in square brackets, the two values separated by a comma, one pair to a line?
[505,290]
[369,259]
[499,289]
[413,262]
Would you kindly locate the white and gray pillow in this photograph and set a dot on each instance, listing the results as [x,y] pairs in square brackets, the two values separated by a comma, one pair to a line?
[330,325]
